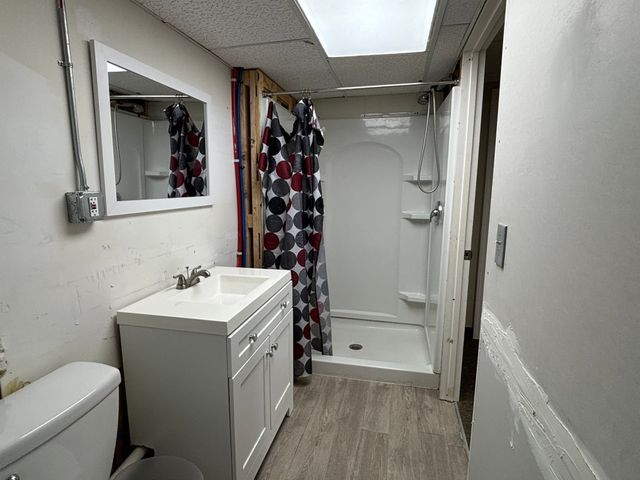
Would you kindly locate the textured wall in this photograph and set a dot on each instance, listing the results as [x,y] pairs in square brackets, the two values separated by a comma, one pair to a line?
[566,182]
[61,284]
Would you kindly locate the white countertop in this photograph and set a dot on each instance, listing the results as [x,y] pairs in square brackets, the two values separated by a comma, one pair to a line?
[173,309]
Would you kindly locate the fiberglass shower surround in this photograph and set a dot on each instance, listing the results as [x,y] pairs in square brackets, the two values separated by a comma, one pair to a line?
[294,215]
[384,251]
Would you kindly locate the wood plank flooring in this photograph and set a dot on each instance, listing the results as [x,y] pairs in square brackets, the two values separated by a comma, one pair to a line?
[343,429]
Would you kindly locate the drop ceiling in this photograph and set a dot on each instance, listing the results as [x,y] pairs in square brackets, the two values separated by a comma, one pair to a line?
[273,35]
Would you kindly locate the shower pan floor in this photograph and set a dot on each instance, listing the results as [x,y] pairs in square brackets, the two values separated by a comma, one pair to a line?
[391,352]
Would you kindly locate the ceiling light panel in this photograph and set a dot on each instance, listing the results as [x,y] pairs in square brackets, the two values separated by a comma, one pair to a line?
[370,27]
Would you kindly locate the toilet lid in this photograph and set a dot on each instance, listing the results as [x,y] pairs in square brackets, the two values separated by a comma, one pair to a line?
[161,468]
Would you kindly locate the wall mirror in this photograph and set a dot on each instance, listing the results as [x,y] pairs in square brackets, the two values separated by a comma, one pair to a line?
[153,132]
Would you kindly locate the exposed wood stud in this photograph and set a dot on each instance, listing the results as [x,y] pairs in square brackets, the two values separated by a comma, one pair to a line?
[256,82]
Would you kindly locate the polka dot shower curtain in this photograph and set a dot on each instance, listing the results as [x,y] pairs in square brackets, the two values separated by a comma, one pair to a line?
[187,165]
[293,237]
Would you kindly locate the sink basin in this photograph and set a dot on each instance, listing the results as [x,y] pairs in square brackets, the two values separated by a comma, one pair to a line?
[220,289]
[217,305]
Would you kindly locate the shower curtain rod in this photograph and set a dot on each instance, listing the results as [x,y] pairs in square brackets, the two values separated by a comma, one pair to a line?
[140,97]
[359,87]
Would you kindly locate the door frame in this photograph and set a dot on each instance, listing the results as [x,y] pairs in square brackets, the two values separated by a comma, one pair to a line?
[465,163]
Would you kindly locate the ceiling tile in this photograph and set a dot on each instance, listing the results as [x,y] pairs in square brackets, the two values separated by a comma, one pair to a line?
[293,65]
[379,69]
[445,52]
[460,11]
[223,23]
[268,34]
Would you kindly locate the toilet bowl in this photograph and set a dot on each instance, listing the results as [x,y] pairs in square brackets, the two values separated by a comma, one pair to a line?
[64,425]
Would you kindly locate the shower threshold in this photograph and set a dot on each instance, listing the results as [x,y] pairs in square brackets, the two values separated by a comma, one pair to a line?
[389,352]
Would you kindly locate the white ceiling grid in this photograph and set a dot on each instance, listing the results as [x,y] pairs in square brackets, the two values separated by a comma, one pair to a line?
[273,35]
[290,64]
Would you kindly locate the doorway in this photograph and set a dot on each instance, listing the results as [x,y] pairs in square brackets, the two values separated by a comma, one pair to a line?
[480,233]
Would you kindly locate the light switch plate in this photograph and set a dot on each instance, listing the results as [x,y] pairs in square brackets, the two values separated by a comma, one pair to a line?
[501,244]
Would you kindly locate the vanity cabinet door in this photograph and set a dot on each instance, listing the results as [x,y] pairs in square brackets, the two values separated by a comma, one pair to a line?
[281,370]
[250,411]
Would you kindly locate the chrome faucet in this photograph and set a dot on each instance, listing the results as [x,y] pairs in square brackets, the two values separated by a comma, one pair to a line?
[191,278]
[436,213]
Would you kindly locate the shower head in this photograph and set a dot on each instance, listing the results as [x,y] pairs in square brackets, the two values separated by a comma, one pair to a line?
[423,99]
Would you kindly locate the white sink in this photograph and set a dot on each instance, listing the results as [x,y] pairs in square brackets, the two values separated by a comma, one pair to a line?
[217,304]
[220,289]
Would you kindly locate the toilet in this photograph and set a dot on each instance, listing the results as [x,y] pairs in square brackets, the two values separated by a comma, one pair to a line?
[64,425]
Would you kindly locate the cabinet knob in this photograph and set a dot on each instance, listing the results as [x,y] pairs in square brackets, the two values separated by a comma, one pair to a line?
[274,346]
[284,305]
[13,477]
[269,353]
[253,338]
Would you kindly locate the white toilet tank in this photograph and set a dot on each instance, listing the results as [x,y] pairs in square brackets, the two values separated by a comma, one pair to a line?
[61,427]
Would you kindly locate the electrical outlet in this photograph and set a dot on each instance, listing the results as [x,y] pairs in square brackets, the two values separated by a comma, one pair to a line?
[85,207]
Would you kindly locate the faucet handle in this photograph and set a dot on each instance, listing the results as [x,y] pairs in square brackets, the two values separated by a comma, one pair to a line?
[195,270]
[182,281]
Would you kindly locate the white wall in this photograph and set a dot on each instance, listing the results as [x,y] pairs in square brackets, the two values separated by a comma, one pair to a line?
[566,182]
[61,284]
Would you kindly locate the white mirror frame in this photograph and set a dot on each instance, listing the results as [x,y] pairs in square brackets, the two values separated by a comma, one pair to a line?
[101,54]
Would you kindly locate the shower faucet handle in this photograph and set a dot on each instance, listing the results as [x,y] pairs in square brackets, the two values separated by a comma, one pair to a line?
[437,213]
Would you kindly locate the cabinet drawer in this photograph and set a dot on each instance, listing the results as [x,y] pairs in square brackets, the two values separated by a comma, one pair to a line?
[244,341]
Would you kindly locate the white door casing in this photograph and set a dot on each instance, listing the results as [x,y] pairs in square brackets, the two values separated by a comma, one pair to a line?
[464,170]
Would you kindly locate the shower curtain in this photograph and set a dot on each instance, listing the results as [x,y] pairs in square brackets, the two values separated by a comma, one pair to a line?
[293,237]
[187,165]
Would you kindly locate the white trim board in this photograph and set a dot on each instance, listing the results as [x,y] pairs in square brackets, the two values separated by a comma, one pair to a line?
[558,452]
[100,55]
[465,164]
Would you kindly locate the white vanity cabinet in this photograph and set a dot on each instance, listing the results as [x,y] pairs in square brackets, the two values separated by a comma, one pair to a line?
[260,398]
[213,397]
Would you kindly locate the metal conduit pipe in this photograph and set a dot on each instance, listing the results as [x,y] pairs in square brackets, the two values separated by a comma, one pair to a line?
[67,64]
[136,455]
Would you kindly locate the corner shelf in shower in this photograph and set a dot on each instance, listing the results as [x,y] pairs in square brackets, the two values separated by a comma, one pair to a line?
[417,297]
[413,178]
[413,297]
[156,173]
[416,215]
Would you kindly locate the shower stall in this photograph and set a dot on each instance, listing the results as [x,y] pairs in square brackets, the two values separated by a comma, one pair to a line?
[384,237]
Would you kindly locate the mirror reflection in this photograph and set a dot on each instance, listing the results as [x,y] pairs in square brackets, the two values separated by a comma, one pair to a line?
[158,139]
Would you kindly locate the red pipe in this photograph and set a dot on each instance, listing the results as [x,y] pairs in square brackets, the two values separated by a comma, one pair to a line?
[236,163]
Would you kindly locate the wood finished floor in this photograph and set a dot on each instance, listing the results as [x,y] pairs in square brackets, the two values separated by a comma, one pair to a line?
[344,429]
